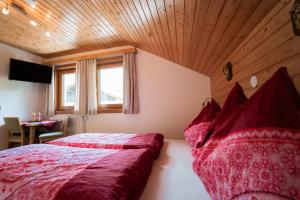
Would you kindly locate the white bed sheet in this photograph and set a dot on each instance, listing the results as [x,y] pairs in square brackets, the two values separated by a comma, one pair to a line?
[172,176]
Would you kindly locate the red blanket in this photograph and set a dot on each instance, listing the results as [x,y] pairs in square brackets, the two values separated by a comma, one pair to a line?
[44,171]
[153,141]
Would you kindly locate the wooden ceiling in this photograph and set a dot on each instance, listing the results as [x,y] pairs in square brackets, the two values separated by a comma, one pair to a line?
[194,33]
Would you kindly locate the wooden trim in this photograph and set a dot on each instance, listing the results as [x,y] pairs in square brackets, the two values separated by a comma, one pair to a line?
[104,53]
[115,59]
[110,108]
[59,108]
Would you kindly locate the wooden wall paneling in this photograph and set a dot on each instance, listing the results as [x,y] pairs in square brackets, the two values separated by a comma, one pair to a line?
[54,24]
[105,25]
[27,35]
[170,11]
[189,18]
[200,17]
[40,16]
[263,75]
[179,18]
[242,15]
[123,20]
[199,34]
[114,20]
[271,45]
[218,58]
[266,35]
[74,23]
[161,11]
[78,14]
[154,28]
[211,19]
[149,29]
[228,13]
[131,21]
[130,7]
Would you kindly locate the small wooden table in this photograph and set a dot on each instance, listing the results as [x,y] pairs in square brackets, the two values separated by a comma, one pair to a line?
[33,125]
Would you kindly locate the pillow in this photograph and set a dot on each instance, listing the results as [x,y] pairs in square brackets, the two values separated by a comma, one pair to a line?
[275,104]
[235,99]
[199,118]
[196,129]
[256,150]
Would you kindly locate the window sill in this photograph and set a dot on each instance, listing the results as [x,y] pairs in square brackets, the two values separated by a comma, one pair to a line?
[58,112]
[103,110]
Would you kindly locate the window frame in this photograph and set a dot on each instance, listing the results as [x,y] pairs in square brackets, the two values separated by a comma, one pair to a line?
[59,72]
[106,64]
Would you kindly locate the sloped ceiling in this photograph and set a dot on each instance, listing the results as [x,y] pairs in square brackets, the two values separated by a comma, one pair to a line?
[193,33]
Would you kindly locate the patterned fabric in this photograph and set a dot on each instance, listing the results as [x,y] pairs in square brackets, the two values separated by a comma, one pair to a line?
[86,91]
[46,123]
[153,141]
[131,95]
[249,164]
[196,133]
[46,172]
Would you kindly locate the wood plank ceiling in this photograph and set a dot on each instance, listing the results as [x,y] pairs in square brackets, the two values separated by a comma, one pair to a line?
[197,34]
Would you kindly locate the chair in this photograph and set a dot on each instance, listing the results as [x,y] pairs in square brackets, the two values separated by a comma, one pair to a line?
[15,131]
[62,132]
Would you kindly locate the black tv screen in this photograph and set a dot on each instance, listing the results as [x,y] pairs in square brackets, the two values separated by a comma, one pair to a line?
[31,72]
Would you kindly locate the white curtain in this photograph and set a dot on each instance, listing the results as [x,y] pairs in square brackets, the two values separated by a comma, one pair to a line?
[48,97]
[86,90]
[131,98]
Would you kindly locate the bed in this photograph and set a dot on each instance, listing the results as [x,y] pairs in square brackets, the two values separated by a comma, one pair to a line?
[46,171]
[253,151]
[152,141]
[84,166]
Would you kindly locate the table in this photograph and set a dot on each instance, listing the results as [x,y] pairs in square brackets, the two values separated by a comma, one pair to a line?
[33,125]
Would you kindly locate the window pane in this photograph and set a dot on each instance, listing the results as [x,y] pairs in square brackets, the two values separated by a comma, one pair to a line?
[68,89]
[111,85]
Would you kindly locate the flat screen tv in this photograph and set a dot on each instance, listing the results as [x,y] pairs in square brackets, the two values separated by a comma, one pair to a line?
[31,72]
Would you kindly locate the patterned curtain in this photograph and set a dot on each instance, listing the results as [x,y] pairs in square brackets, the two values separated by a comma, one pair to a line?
[86,91]
[48,96]
[131,98]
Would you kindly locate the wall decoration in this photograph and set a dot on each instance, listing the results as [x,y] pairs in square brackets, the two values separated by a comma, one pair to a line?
[227,71]
[295,17]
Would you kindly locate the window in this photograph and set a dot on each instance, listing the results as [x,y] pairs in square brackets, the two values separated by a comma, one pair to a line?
[65,90]
[110,87]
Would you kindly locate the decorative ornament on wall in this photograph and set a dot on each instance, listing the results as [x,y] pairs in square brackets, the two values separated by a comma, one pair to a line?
[227,71]
[295,17]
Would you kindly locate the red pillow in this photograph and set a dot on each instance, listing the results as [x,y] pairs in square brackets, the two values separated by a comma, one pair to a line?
[256,150]
[275,104]
[207,114]
[234,100]
[197,129]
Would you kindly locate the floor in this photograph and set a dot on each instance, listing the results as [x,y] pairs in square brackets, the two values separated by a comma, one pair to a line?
[172,177]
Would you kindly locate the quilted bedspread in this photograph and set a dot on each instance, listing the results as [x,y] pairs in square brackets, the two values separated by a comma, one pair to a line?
[260,163]
[44,171]
[153,141]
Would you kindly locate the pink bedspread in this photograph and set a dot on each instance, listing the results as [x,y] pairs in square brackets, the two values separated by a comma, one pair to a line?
[153,141]
[260,163]
[44,171]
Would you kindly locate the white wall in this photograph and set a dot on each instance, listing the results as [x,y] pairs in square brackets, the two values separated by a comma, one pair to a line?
[16,98]
[170,96]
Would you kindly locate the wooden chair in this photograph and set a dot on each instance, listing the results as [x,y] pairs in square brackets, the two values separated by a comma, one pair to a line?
[15,131]
[62,132]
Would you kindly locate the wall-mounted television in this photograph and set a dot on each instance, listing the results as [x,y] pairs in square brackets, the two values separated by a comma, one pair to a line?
[31,72]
